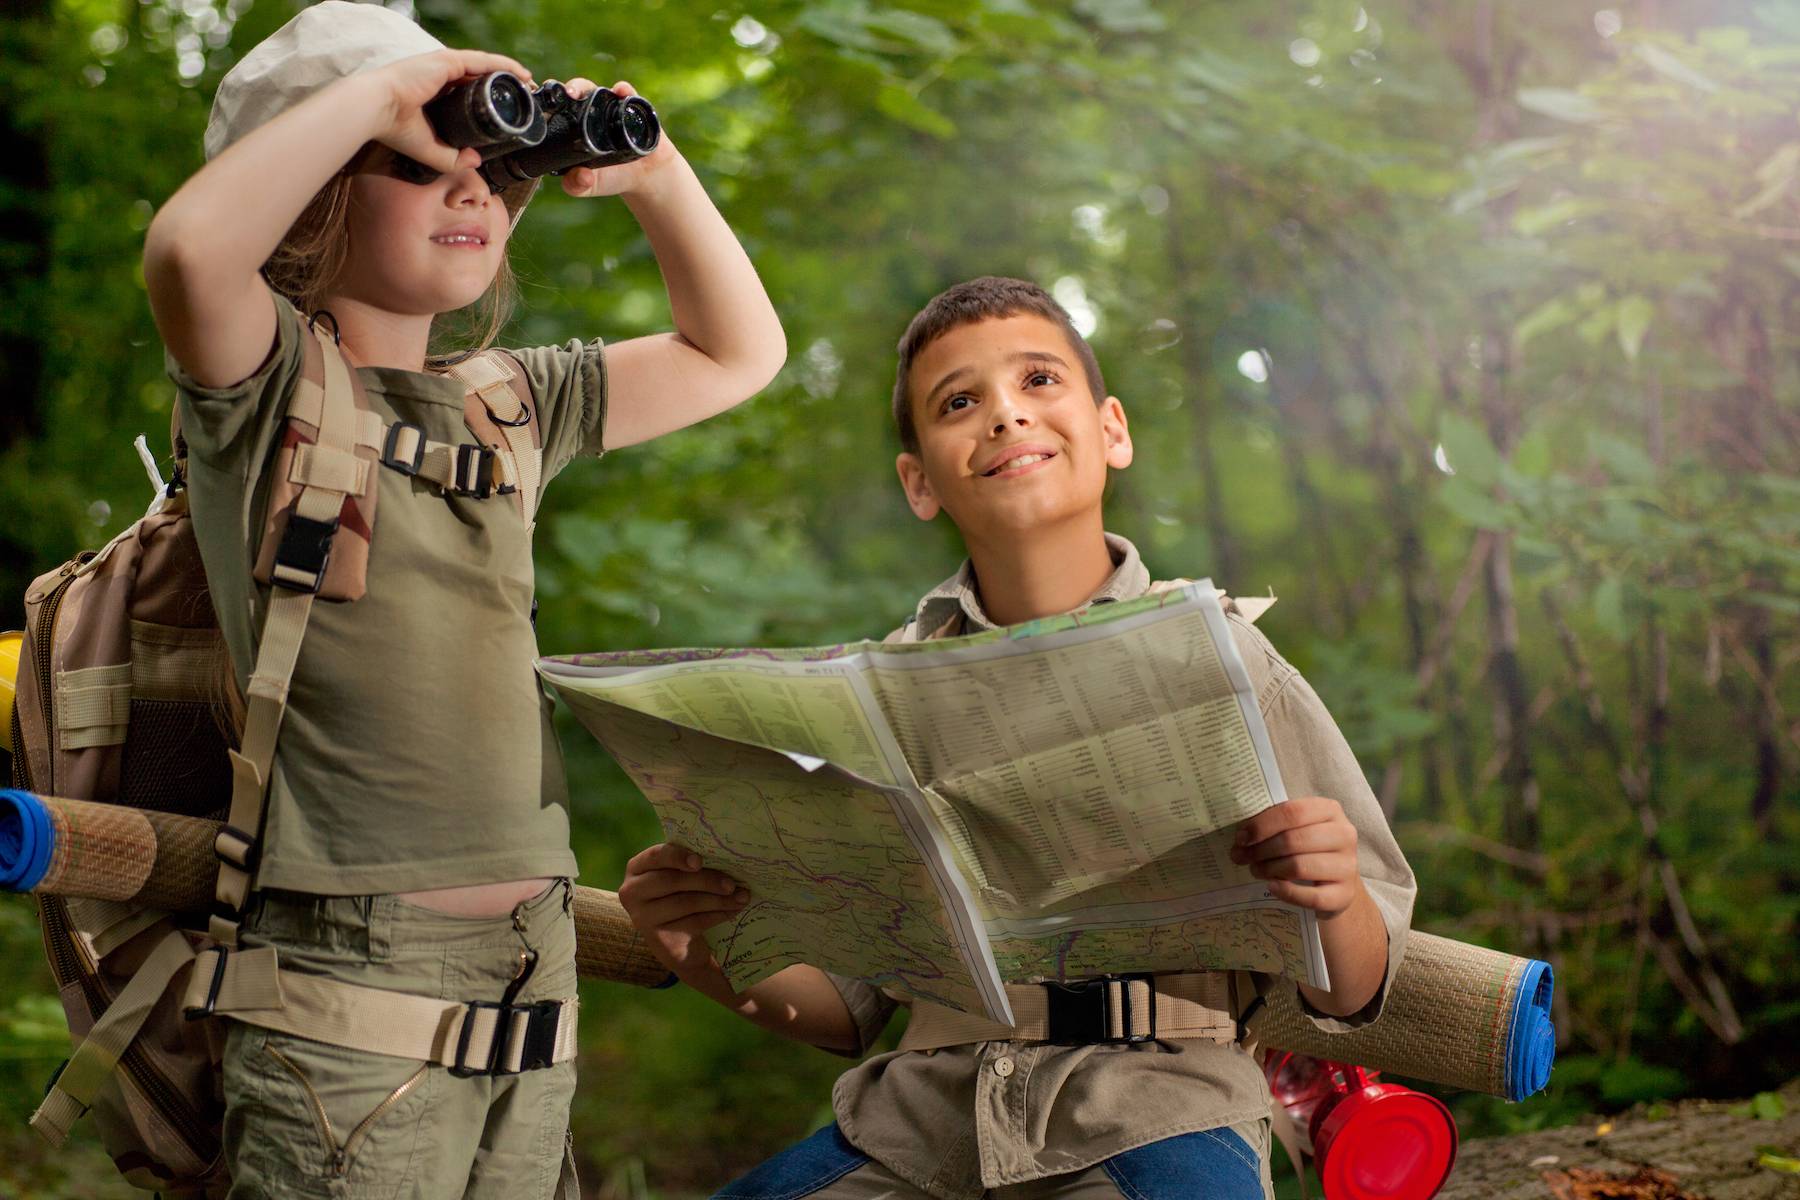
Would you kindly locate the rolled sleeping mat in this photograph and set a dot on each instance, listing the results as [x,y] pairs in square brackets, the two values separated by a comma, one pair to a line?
[1456,1014]
[64,847]
[106,851]
[608,946]
[1460,1015]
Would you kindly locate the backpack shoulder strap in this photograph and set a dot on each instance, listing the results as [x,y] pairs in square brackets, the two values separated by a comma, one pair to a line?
[498,400]
[299,572]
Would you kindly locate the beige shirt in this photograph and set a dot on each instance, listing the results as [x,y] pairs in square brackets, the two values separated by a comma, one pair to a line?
[959,1120]
[417,750]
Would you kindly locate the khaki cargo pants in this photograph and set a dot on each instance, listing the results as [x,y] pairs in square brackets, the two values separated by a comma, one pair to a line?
[306,1119]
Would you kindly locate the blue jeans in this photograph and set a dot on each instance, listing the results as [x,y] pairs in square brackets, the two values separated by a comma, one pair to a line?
[1214,1164]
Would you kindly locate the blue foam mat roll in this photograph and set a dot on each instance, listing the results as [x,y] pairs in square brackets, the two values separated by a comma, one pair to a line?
[1531,1042]
[26,836]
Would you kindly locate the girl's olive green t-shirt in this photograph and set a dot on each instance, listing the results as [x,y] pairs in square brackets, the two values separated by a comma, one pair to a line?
[417,750]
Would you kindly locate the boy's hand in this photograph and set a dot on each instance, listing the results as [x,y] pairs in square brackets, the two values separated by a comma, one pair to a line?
[408,85]
[620,178]
[1306,850]
[673,900]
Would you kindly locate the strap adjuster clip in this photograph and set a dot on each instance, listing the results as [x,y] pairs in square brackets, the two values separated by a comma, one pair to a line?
[212,990]
[233,845]
[390,449]
[304,553]
[1081,1012]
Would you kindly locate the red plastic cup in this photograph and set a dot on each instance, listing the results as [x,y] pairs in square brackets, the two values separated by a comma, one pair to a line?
[1371,1140]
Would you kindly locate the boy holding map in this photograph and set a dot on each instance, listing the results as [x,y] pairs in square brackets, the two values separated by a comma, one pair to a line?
[1130,1085]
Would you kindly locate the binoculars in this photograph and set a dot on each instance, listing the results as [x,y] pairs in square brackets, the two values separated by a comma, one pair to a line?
[523,133]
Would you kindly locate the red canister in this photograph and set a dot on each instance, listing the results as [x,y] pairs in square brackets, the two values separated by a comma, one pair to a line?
[1371,1140]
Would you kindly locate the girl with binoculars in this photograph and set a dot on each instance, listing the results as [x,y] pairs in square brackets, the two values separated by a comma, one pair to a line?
[416,835]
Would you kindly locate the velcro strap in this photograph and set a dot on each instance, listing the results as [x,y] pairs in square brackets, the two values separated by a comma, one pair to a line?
[480,374]
[93,706]
[473,1038]
[329,468]
[1137,1008]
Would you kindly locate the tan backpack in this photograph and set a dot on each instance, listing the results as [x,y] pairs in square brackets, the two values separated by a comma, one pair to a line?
[126,695]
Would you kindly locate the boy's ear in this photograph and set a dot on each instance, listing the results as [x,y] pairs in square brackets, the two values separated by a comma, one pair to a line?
[1115,433]
[920,496]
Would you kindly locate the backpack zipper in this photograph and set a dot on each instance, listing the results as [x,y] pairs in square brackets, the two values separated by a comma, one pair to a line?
[53,914]
[40,657]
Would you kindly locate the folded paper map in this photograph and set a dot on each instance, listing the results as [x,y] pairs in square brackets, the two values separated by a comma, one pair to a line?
[1048,801]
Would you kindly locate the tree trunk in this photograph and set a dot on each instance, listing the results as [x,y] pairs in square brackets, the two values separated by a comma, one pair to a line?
[1197,383]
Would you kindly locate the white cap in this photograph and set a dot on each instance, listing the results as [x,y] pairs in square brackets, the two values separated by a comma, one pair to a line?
[322,45]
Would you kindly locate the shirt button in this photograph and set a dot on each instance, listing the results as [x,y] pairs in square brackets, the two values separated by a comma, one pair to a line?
[1003,1067]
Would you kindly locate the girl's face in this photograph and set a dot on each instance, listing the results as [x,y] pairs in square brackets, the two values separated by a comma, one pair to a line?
[421,243]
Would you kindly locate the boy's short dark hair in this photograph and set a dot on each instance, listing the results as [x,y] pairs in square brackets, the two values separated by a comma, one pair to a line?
[986,298]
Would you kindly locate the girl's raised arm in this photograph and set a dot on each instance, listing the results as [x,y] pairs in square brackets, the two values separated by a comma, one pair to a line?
[727,344]
[206,246]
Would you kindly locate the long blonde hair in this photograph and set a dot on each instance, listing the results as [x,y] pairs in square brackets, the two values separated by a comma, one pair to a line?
[313,253]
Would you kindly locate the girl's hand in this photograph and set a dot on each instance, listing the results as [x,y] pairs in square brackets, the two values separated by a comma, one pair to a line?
[408,85]
[619,178]
[1306,850]
[673,900]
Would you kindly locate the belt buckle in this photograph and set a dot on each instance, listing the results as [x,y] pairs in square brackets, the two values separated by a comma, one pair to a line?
[1080,1012]
[542,1020]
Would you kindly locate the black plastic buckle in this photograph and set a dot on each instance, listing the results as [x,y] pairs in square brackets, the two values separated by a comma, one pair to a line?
[392,460]
[303,554]
[474,471]
[1081,1012]
[212,991]
[542,1021]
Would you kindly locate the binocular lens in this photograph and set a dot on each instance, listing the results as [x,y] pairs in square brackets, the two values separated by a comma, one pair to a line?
[638,125]
[495,108]
[620,129]
[510,102]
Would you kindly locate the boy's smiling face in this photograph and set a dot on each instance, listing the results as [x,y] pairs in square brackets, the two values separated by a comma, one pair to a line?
[1010,437]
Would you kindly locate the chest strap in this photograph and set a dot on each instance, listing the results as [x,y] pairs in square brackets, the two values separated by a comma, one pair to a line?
[460,469]
[1105,1010]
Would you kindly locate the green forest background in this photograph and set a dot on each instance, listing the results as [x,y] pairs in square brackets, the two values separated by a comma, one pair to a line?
[1467,328]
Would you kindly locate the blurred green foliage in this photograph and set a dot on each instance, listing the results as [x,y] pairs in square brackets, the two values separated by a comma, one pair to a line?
[1466,328]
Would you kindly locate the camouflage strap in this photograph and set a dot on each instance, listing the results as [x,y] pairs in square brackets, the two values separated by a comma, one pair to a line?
[471,1038]
[93,1062]
[1119,1008]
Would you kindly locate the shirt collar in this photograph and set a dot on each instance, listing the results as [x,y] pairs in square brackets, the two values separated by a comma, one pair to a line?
[960,595]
